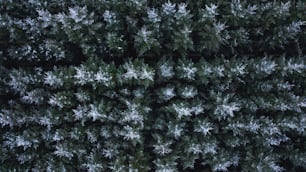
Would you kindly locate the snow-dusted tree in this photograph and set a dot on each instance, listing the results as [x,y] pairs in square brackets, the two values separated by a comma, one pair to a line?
[152,85]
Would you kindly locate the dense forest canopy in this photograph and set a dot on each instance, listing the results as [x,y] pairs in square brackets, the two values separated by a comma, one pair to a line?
[152,85]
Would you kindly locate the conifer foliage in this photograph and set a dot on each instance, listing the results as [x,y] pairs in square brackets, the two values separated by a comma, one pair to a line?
[152,85]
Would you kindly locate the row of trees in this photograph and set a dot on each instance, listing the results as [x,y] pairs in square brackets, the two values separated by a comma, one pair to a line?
[152,85]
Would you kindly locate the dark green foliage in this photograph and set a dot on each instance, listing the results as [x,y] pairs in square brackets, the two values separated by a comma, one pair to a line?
[152,85]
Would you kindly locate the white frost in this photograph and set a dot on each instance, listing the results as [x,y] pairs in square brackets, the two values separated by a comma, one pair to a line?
[204,128]
[167,93]
[52,80]
[182,110]
[166,70]
[94,113]
[132,114]
[211,10]
[131,72]
[162,149]
[168,8]
[153,16]
[226,110]
[130,133]
[189,92]
[62,152]
[103,77]
[145,74]
[78,14]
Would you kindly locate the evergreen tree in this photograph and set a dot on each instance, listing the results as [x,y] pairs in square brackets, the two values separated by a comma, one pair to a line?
[152,85]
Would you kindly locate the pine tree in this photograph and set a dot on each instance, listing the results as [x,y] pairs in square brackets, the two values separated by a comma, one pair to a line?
[152,85]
